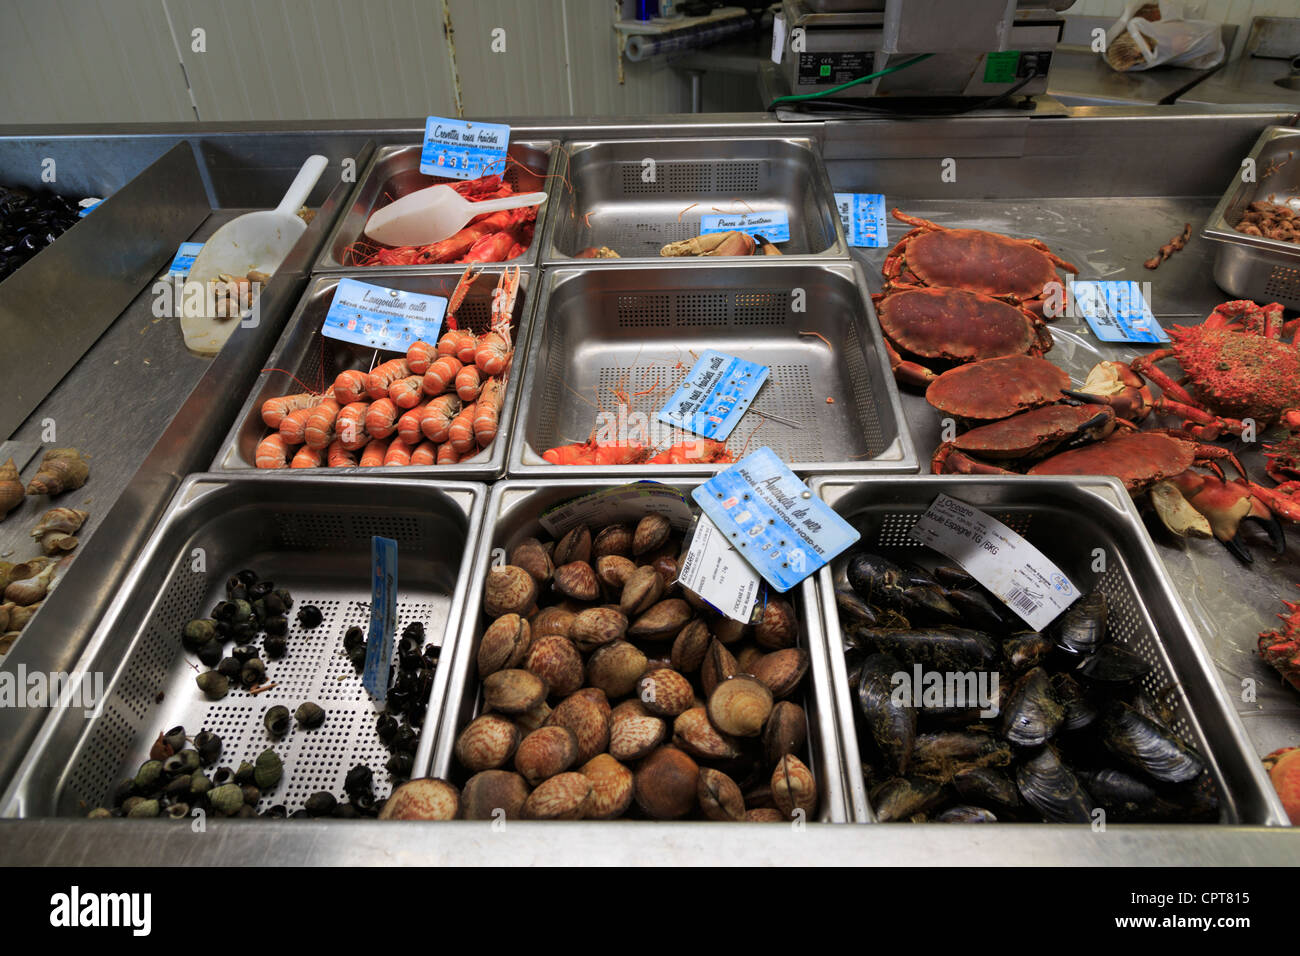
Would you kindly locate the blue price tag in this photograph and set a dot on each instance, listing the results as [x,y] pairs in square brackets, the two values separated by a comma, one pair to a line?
[383,616]
[716,393]
[86,206]
[184,260]
[773,520]
[463,150]
[772,226]
[1117,312]
[863,215]
[381,318]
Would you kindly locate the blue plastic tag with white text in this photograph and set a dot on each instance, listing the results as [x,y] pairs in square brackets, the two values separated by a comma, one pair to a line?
[462,150]
[383,616]
[1116,311]
[773,226]
[716,393]
[382,318]
[863,216]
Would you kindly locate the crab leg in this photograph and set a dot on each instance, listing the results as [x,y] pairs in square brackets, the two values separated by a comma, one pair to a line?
[947,460]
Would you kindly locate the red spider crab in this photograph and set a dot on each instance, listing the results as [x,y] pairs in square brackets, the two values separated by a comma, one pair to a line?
[1236,366]
[1283,767]
[953,326]
[972,259]
[1281,649]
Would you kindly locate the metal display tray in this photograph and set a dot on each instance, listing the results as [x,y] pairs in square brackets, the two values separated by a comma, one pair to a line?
[635,196]
[310,535]
[611,333]
[303,358]
[512,514]
[1067,519]
[394,172]
[1254,267]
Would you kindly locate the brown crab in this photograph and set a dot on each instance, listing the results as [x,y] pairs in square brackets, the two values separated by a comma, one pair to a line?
[1020,270]
[952,326]
[997,388]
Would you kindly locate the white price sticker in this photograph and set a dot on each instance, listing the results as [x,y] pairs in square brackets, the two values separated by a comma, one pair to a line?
[778,39]
[997,557]
[715,571]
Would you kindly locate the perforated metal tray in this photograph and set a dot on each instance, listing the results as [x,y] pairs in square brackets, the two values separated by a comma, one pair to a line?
[512,514]
[310,535]
[536,165]
[303,358]
[1253,267]
[1066,519]
[605,334]
[635,196]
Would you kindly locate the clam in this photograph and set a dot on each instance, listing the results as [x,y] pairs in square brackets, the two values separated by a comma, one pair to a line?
[513,691]
[778,627]
[504,644]
[562,797]
[614,539]
[793,786]
[577,580]
[652,532]
[552,620]
[490,791]
[487,743]
[613,570]
[556,661]
[740,706]
[574,546]
[509,590]
[718,665]
[586,714]
[530,555]
[597,626]
[615,667]
[781,670]
[786,730]
[719,797]
[666,784]
[641,590]
[664,692]
[633,731]
[690,646]
[661,621]
[695,733]
[612,786]
[427,798]
[546,752]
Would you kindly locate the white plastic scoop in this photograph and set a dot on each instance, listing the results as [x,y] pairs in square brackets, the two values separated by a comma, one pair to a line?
[254,241]
[435,213]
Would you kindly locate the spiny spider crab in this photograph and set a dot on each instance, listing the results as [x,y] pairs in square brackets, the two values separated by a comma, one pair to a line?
[1283,767]
[947,326]
[972,259]
[1281,649]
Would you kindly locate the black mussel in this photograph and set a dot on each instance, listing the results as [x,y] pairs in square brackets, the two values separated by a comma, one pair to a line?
[414,631]
[386,727]
[926,604]
[1025,650]
[244,653]
[360,779]
[1113,664]
[429,657]
[1053,790]
[951,577]
[1122,795]
[276,645]
[247,577]
[277,720]
[854,610]
[1079,710]
[902,797]
[1147,746]
[1082,628]
[877,580]
[398,700]
[963,813]
[891,720]
[1032,713]
[354,637]
[916,576]
[940,648]
[208,745]
[975,610]
[1160,707]
[229,666]
[210,653]
[943,754]
[405,681]
[310,616]
[986,785]
[853,658]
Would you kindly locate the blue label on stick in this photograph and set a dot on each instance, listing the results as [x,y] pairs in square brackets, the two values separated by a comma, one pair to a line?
[1116,311]
[382,318]
[773,520]
[716,393]
[863,216]
[383,616]
[184,260]
[462,150]
[772,226]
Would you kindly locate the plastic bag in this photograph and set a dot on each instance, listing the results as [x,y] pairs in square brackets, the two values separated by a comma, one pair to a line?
[1163,34]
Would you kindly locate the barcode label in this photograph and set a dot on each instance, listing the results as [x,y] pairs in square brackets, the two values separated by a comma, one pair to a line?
[1021,601]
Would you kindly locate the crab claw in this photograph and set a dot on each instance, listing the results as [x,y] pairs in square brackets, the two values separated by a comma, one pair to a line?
[1225,505]
[1116,385]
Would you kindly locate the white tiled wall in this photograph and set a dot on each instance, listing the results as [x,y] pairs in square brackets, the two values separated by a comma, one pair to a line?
[83,61]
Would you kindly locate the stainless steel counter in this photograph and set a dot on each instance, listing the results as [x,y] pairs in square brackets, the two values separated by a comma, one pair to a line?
[1104,186]
[1246,81]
